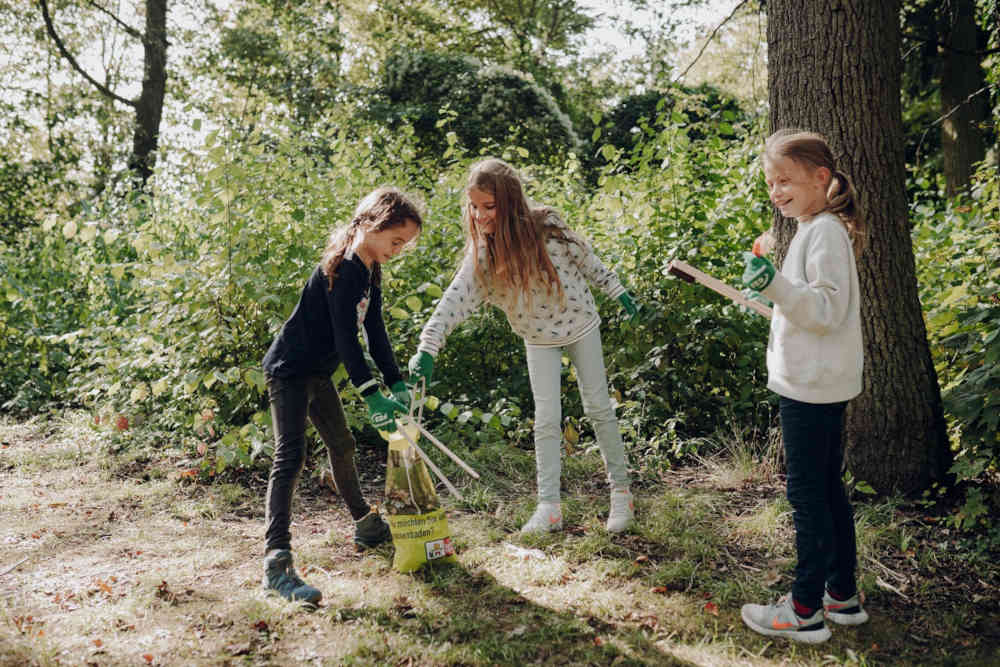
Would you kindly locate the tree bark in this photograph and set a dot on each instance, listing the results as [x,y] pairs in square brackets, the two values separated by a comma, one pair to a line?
[963,96]
[835,68]
[149,106]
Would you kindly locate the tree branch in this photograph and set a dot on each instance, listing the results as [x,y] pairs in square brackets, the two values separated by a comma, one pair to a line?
[949,47]
[72,61]
[709,41]
[124,26]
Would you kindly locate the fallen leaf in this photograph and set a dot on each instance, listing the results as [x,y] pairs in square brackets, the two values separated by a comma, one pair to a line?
[98,643]
[661,590]
[642,559]
[148,657]
[712,608]
[598,641]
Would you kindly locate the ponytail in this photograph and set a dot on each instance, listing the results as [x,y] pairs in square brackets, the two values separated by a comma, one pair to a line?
[842,201]
[340,241]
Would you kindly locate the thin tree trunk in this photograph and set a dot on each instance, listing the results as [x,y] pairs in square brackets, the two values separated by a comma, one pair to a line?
[963,97]
[835,68]
[149,106]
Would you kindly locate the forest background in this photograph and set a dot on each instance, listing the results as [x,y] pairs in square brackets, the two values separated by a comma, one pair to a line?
[169,175]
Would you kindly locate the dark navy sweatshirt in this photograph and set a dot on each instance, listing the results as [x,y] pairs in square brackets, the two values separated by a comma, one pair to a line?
[323,329]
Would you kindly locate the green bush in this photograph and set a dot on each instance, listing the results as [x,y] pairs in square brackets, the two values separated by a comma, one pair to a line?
[958,257]
[481,105]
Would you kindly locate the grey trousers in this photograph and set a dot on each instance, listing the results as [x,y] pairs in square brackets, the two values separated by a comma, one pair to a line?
[544,368]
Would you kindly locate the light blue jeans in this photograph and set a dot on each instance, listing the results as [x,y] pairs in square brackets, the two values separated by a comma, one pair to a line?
[544,367]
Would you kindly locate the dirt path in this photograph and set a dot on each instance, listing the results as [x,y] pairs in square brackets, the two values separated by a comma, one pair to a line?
[111,570]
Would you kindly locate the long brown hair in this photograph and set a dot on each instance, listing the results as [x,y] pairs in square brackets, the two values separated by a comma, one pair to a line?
[812,150]
[515,251]
[383,208]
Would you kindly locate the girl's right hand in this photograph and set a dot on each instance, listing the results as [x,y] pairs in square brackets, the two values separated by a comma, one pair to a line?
[382,411]
[763,244]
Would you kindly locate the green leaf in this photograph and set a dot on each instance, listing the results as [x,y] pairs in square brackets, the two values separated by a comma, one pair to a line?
[255,378]
[414,303]
[398,313]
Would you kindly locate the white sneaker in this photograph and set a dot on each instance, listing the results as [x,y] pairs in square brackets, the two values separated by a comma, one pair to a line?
[622,511]
[546,519]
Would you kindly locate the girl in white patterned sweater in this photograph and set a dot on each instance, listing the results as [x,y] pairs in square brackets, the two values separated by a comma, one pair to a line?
[526,261]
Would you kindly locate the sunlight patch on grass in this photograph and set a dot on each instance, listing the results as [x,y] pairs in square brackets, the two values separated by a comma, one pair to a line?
[769,523]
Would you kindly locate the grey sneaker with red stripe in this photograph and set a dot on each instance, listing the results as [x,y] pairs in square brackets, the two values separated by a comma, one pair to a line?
[844,612]
[780,620]
[546,519]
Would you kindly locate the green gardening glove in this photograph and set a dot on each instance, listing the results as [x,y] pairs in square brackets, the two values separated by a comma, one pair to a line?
[382,411]
[625,299]
[401,393]
[759,271]
[421,366]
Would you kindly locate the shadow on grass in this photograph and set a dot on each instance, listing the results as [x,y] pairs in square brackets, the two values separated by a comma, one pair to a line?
[480,621]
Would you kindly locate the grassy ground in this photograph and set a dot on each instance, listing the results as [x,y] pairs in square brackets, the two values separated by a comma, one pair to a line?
[111,562]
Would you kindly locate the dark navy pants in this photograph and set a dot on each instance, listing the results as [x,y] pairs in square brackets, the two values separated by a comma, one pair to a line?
[824,519]
[292,399]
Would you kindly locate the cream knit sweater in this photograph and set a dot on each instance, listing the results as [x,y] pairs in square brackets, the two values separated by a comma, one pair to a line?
[815,352]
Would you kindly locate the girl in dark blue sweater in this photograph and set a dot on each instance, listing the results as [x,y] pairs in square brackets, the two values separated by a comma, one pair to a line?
[341,299]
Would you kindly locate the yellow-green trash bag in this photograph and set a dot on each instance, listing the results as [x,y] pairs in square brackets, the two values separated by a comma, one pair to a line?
[418,523]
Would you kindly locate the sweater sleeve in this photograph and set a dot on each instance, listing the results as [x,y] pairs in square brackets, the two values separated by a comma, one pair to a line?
[820,304]
[462,297]
[593,269]
[342,302]
[378,340]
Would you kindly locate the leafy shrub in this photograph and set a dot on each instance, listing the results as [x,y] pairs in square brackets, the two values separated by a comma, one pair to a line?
[482,105]
[958,251]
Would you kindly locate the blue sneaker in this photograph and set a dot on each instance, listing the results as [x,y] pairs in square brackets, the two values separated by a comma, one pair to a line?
[280,576]
[845,612]
[780,620]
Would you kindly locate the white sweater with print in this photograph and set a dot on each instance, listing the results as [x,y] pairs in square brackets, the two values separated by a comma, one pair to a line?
[815,352]
[549,322]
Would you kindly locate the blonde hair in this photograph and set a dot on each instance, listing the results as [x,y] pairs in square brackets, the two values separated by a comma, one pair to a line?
[516,256]
[810,149]
[383,208]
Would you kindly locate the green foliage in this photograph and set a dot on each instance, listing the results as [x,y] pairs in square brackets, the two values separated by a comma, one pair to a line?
[288,51]
[958,255]
[439,94]
[639,114]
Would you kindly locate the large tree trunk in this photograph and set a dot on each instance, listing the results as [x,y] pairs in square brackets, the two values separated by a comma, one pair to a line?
[835,68]
[963,98]
[149,106]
